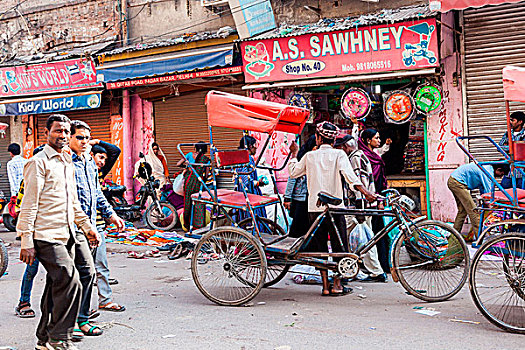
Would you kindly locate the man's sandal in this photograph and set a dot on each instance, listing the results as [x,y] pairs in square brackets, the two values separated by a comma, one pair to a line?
[77,334]
[23,310]
[112,306]
[92,331]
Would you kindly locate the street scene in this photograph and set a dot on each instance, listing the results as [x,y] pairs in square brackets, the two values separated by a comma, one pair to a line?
[262,174]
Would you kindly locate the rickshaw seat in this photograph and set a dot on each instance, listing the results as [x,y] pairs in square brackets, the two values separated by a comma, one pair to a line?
[327,198]
[501,198]
[236,198]
[232,158]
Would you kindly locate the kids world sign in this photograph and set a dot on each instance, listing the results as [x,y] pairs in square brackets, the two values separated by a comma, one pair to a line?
[48,77]
[361,50]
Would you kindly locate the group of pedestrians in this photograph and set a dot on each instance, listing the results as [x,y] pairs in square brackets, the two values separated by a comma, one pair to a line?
[57,224]
[346,167]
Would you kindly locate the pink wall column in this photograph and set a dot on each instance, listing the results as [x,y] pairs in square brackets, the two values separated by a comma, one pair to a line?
[136,122]
[444,156]
[127,145]
[147,124]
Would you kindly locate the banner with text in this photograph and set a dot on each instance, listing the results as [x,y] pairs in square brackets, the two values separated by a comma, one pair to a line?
[362,50]
[51,105]
[48,77]
[117,125]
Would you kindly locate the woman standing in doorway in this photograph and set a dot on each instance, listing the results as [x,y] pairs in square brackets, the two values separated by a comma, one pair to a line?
[368,142]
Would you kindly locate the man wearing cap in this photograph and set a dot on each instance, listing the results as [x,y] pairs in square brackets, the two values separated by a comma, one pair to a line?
[324,168]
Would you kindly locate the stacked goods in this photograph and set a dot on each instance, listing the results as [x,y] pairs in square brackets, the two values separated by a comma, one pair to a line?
[415,148]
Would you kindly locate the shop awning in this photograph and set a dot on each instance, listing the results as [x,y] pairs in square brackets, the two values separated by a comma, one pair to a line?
[335,80]
[182,61]
[447,5]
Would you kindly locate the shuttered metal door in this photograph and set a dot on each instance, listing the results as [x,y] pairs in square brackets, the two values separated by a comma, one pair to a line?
[494,36]
[98,120]
[182,119]
[4,158]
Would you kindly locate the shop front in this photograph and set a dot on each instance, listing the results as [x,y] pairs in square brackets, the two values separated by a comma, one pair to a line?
[383,76]
[164,96]
[30,93]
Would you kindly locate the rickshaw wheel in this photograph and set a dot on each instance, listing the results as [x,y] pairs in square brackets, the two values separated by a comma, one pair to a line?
[229,266]
[497,281]
[431,279]
[275,271]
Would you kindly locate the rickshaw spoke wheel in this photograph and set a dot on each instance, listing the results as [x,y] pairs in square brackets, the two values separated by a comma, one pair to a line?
[229,266]
[497,281]
[423,272]
[275,270]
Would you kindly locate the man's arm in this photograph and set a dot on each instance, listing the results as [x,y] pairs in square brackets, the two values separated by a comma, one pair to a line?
[113,153]
[295,168]
[351,178]
[34,175]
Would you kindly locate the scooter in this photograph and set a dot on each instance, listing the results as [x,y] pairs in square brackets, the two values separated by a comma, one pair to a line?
[158,215]
[9,215]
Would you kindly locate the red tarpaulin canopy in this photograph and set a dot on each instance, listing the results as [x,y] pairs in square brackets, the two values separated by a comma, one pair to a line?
[447,5]
[514,83]
[245,113]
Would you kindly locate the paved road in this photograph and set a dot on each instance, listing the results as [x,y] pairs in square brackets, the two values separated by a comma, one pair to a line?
[166,311]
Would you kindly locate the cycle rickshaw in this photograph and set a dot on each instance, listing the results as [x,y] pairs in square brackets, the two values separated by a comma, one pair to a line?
[497,274]
[232,261]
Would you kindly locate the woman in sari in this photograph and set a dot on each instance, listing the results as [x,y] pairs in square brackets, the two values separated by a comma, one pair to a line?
[251,182]
[368,142]
[158,162]
[192,185]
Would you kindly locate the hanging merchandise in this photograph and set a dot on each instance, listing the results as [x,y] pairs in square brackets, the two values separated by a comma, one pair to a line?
[355,103]
[298,100]
[428,98]
[398,107]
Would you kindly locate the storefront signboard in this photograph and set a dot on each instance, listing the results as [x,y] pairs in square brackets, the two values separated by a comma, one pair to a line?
[117,125]
[48,77]
[51,105]
[362,50]
[174,77]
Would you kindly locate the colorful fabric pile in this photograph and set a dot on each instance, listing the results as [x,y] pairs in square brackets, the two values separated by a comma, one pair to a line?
[141,237]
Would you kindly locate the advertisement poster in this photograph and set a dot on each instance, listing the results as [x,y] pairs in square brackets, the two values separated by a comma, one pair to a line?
[48,77]
[361,50]
[276,152]
[51,105]
[117,125]
[252,17]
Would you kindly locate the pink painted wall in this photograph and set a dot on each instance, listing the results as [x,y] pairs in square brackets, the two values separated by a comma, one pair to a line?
[127,145]
[278,148]
[444,156]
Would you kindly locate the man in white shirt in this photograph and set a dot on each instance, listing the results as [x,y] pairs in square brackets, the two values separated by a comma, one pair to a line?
[15,168]
[324,168]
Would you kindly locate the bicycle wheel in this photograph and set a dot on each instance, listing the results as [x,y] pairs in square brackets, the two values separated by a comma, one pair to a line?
[497,281]
[275,270]
[431,274]
[229,266]
[163,219]
[4,258]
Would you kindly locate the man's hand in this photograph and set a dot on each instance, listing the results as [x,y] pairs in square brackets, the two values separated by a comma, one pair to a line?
[119,223]
[294,149]
[93,238]
[287,205]
[369,196]
[388,141]
[28,255]
[94,142]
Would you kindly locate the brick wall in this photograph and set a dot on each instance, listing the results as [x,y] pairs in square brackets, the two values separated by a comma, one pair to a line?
[54,25]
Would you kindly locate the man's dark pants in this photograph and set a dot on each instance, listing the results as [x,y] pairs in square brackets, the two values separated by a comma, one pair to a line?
[86,269]
[61,298]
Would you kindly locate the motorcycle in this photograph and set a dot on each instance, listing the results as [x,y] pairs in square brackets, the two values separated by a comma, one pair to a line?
[158,215]
[9,214]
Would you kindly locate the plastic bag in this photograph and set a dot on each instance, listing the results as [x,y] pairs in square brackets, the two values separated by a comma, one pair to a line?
[305,274]
[359,236]
[178,185]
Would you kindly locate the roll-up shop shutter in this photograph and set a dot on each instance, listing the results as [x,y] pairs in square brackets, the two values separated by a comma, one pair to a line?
[98,120]
[4,158]
[183,119]
[494,37]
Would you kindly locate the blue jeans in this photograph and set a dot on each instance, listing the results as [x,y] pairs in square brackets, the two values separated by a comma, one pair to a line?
[105,294]
[27,282]
[506,182]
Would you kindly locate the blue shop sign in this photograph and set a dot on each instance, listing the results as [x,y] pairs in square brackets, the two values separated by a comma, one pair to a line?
[53,105]
[258,16]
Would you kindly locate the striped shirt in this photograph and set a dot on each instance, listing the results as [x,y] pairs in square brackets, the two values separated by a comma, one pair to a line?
[15,173]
